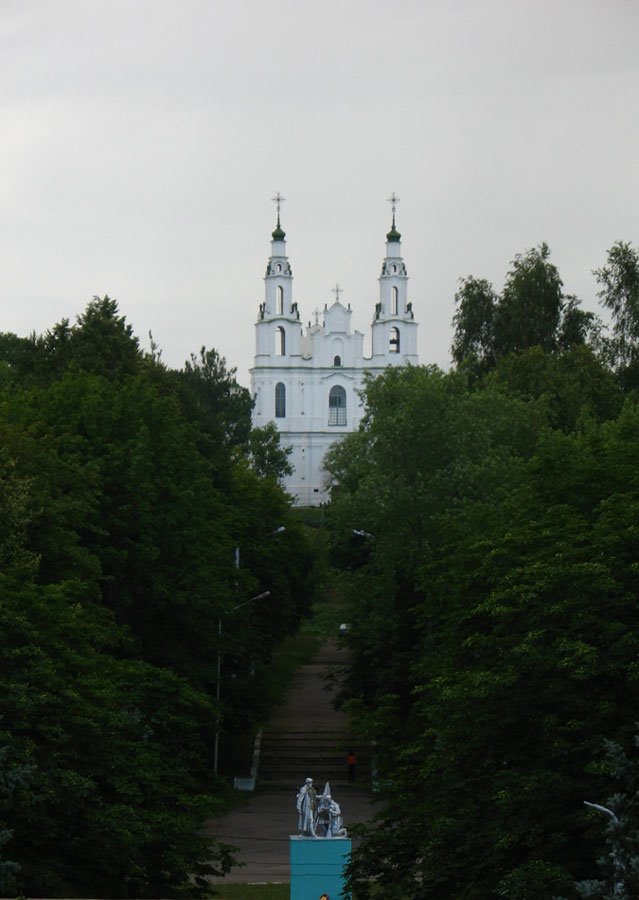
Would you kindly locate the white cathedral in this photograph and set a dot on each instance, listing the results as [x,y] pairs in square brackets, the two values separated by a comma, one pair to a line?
[306,380]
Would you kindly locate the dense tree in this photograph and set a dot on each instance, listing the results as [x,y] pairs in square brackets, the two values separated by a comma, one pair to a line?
[578,326]
[618,280]
[101,342]
[214,398]
[569,384]
[422,447]
[620,864]
[474,323]
[529,311]
[14,513]
[125,489]
[494,630]
[116,795]
[268,457]
[17,354]
[532,311]
[11,778]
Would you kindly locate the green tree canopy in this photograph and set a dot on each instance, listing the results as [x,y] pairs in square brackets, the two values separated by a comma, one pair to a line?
[494,627]
[618,281]
[620,820]
[532,311]
[125,489]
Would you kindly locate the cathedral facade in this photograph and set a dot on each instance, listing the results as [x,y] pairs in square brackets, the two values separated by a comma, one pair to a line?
[306,380]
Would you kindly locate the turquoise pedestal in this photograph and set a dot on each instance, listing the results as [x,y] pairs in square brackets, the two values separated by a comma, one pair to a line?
[317,867]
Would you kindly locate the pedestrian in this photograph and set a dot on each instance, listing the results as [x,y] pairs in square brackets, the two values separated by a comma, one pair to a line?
[351,762]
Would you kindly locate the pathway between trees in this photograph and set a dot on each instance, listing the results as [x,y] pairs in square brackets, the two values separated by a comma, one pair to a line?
[305,737]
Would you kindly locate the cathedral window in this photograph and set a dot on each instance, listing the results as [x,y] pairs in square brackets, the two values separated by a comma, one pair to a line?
[337,361]
[280,400]
[393,343]
[279,308]
[394,301]
[337,406]
[280,341]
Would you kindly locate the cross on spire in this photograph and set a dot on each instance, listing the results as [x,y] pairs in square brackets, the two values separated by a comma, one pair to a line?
[278,199]
[393,200]
[337,290]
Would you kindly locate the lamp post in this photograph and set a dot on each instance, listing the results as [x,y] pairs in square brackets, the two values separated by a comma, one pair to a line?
[236,554]
[618,867]
[278,530]
[216,746]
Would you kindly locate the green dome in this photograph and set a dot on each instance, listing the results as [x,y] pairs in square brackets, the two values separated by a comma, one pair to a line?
[279,234]
[393,234]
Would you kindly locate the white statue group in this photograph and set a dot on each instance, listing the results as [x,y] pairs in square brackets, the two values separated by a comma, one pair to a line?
[318,817]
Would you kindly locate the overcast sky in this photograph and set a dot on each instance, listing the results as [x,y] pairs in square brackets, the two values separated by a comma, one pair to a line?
[142,141]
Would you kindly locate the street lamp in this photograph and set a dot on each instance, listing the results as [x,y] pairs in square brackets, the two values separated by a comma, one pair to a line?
[278,530]
[216,745]
[618,866]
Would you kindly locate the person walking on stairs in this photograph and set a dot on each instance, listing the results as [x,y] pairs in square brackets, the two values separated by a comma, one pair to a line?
[351,761]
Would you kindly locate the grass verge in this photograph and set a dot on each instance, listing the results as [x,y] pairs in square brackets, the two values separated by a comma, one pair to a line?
[253,892]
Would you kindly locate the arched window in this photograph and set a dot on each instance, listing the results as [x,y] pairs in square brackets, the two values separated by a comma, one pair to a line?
[337,361]
[279,305]
[280,341]
[394,301]
[393,341]
[280,400]
[337,405]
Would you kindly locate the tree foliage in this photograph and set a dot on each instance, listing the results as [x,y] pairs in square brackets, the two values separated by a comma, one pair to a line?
[620,864]
[532,311]
[529,311]
[494,626]
[618,282]
[267,456]
[474,323]
[125,488]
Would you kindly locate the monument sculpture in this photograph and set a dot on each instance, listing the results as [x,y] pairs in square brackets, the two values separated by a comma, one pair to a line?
[306,803]
[321,819]
[320,852]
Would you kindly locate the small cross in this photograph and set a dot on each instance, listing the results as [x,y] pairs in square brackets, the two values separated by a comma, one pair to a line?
[279,200]
[316,313]
[393,200]
[337,290]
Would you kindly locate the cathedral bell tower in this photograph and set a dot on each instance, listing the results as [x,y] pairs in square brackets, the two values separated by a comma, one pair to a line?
[278,329]
[394,330]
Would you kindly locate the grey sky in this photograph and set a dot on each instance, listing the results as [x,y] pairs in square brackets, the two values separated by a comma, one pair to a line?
[141,142]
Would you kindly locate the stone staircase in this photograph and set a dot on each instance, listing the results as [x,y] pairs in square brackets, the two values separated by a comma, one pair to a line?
[292,756]
[306,737]
[311,738]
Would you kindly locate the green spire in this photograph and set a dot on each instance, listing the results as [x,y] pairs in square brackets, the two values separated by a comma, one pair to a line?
[279,234]
[393,235]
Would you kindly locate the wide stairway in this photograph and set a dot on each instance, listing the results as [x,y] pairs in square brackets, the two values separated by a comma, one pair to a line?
[305,737]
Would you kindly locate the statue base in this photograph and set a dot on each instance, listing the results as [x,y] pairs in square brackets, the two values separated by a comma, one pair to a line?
[317,866]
